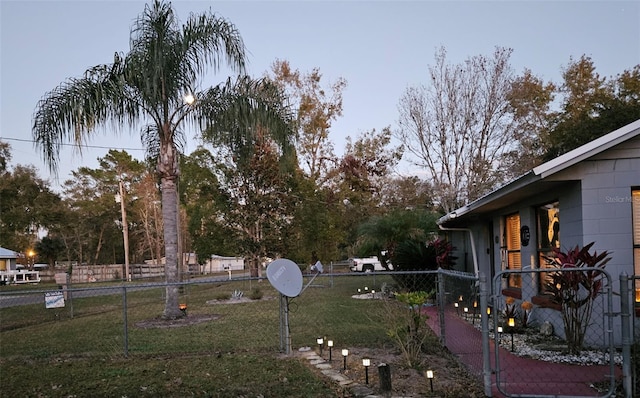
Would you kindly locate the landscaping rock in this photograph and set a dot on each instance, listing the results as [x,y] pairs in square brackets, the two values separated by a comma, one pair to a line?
[546,329]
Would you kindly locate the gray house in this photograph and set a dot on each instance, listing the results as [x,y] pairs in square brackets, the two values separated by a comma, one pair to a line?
[591,194]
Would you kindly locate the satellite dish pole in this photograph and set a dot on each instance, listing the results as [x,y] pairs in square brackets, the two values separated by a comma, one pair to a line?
[285,276]
[285,332]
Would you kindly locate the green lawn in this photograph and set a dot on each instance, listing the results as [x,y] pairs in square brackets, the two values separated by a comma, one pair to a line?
[232,374]
[47,353]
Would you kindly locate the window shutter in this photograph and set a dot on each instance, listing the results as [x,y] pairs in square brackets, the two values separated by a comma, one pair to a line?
[513,232]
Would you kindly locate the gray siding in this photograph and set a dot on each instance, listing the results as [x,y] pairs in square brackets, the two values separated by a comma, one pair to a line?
[607,209]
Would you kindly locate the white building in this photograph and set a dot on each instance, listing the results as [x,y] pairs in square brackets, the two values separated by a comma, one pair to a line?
[220,263]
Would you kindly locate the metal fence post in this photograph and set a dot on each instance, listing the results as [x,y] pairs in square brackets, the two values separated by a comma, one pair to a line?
[124,317]
[627,336]
[484,320]
[441,306]
[331,275]
[69,294]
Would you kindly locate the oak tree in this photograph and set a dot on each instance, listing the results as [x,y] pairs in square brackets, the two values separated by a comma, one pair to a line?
[316,105]
[591,106]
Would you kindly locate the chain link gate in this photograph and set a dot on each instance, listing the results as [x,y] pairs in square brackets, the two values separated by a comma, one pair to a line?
[533,333]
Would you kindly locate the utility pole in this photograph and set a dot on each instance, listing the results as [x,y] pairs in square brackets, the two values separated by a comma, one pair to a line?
[125,231]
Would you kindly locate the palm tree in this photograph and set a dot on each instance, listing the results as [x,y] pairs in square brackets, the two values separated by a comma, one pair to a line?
[153,85]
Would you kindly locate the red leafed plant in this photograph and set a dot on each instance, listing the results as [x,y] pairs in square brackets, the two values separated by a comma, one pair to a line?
[575,285]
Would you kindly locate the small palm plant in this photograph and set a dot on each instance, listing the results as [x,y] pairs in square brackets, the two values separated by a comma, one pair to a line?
[575,286]
[416,255]
[510,308]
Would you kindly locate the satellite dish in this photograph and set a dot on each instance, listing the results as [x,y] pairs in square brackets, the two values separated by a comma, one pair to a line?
[317,267]
[285,276]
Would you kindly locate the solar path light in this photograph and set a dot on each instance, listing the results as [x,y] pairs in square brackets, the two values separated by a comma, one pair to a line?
[429,374]
[366,362]
[512,325]
[345,353]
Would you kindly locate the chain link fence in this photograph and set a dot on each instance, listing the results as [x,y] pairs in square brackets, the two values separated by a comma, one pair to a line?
[469,314]
[633,299]
[563,319]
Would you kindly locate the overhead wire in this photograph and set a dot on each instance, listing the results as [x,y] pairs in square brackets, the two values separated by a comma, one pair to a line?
[68,144]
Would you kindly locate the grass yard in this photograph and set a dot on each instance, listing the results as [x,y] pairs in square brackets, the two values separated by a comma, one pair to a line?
[235,352]
[202,375]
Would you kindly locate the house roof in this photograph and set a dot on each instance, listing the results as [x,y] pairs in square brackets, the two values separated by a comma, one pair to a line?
[6,253]
[588,150]
[537,180]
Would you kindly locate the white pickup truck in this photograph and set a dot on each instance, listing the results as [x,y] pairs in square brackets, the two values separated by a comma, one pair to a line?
[368,264]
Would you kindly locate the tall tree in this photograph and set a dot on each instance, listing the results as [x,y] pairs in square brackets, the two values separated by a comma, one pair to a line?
[154,84]
[458,126]
[530,99]
[406,192]
[94,236]
[93,213]
[591,106]
[5,156]
[366,166]
[358,180]
[148,213]
[49,249]
[259,204]
[206,205]
[317,105]
[27,205]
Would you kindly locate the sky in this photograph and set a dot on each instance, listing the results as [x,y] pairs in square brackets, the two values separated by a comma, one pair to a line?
[379,47]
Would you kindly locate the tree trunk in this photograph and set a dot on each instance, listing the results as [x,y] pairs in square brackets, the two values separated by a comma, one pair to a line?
[95,258]
[170,222]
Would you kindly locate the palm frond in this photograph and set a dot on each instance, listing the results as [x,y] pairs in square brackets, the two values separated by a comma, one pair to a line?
[166,59]
[73,110]
[231,114]
[207,38]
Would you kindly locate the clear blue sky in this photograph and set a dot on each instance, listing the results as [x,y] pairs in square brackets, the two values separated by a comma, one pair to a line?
[379,47]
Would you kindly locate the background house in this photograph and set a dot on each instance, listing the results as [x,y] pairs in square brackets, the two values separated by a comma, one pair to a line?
[8,259]
[220,263]
[11,272]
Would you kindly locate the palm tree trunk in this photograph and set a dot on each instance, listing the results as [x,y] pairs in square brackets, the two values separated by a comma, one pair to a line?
[168,169]
[170,218]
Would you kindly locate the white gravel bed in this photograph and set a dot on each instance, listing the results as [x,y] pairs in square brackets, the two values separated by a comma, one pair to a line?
[531,345]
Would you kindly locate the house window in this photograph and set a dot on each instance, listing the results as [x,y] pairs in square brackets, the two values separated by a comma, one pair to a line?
[635,210]
[548,238]
[511,252]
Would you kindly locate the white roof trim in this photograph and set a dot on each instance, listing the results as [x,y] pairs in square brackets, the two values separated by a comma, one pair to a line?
[587,150]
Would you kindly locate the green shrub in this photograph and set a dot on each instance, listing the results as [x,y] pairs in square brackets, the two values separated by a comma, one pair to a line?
[256,294]
[222,296]
[407,325]
[417,255]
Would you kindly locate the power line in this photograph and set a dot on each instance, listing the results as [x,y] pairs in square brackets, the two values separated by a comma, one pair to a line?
[83,146]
